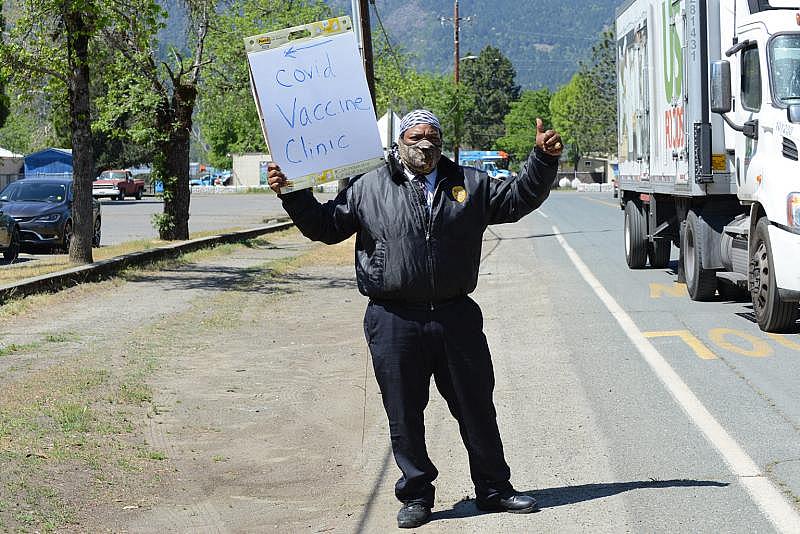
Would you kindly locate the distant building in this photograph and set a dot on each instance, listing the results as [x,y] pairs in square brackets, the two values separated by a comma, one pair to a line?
[250,169]
[49,162]
[11,167]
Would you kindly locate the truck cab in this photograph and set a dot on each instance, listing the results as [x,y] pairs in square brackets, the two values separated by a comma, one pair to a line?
[117,184]
[760,103]
[709,125]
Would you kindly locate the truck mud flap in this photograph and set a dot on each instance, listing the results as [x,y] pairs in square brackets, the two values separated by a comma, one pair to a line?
[712,228]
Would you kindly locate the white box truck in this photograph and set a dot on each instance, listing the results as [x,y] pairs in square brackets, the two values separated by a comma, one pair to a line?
[709,128]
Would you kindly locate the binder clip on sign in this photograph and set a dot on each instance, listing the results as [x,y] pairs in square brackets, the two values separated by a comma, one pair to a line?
[313,102]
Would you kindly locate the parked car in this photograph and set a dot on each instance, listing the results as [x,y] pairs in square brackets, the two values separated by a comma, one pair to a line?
[42,209]
[117,184]
[9,237]
[201,180]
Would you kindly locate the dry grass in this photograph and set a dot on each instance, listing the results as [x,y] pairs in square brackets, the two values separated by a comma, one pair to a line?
[42,266]
[77,420]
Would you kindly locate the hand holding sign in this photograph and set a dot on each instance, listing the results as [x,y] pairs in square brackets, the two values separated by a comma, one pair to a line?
[314,104]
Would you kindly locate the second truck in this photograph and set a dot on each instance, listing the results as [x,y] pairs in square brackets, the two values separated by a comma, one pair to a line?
[709,125]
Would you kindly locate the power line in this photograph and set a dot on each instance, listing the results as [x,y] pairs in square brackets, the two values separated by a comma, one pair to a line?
[392,51]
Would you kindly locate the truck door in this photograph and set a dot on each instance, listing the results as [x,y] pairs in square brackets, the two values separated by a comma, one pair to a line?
[749,104]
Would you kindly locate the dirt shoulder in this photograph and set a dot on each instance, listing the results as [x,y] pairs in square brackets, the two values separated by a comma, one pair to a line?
[148,402]
[234,393]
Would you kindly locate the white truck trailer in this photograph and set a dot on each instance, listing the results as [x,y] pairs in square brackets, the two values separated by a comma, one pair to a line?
[709,128]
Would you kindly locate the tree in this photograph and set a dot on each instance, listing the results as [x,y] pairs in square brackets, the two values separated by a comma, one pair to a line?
[400,88]
[585,109]
[30,57]
[520,123]
[160,94]
[491,77]
[4,100]
[227,113]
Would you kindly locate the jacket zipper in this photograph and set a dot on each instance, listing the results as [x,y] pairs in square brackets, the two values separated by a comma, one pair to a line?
[428,231]
[427,223]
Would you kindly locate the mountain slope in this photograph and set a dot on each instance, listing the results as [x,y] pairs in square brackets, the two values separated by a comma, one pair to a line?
[543,39]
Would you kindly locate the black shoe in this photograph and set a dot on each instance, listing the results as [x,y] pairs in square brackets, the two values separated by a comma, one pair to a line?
[509,501]
[413,514]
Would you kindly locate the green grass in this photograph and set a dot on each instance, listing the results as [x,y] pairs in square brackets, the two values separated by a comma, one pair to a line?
[61,337]
[13,348]
[73,417]
[134,392]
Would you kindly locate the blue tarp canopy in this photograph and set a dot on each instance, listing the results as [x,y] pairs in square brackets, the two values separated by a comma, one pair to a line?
[49,162]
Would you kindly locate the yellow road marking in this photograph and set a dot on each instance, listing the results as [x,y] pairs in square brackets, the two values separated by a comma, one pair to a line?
[602,202]
[785,341]
[702,352]
[659,290]
[758,347]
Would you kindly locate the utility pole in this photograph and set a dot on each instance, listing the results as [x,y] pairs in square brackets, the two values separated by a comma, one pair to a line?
[363,31]
[455,76]
[366,39]
[456,60]
[455,41]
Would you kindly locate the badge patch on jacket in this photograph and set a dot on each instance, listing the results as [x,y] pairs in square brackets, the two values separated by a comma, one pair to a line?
[459,194]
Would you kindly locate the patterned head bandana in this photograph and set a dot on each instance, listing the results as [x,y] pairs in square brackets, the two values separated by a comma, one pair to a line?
[416,117]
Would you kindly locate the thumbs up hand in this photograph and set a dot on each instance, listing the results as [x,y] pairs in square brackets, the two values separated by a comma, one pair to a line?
[548,141]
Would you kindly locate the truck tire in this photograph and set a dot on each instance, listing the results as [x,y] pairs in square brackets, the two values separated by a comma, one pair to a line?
[635,235]
[772,314]
[659,252]
[121,195]
[701,283]
[138,194]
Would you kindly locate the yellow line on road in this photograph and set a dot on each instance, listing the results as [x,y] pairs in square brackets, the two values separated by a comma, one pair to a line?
[785,341]
[601,202]
[758,347]
[659,290]
[702,352]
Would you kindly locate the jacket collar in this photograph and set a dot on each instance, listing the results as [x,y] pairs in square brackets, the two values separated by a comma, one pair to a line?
[447,169]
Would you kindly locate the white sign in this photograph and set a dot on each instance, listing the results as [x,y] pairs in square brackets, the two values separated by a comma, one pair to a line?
[316,108]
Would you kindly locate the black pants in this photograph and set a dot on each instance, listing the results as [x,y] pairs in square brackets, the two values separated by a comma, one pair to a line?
[408,346]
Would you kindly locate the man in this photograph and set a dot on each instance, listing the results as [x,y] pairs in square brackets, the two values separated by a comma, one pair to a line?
[419,222]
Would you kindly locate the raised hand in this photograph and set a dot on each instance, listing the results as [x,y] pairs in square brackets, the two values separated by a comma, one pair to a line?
[548,141]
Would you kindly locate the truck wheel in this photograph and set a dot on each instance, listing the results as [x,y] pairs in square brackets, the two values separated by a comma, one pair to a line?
[659,252]
[773,315]
[121,195]
[138,195]
[635,235]
[701,283]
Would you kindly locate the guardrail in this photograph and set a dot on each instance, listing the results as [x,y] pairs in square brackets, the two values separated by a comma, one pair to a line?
[104,269]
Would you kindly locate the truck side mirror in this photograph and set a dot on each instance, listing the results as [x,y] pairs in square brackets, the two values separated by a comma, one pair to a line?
[721,87]
[793,113]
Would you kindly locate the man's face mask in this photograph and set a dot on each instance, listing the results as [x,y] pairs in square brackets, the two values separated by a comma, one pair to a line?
[420,157]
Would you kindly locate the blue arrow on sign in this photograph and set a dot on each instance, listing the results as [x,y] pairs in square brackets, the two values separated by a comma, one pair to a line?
[291,51]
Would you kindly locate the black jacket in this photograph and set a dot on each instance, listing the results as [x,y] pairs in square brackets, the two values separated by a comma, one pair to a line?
[402,253]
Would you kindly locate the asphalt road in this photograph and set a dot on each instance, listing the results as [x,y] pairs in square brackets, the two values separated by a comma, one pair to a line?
[130,220]
[694,412]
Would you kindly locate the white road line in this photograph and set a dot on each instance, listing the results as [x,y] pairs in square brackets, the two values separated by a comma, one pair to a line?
[543,214]
[765,494]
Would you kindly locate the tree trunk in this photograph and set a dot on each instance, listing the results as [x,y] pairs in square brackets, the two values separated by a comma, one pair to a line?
[82,225]
[176,124]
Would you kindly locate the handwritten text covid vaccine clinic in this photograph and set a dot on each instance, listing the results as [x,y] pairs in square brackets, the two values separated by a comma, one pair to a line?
[316,105]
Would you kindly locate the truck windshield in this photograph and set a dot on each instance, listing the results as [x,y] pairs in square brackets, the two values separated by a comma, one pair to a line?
[111,175]
[785,65]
